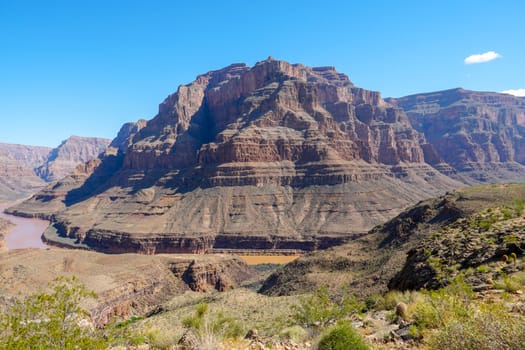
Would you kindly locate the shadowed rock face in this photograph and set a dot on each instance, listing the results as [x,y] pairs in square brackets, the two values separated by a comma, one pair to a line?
[480,134]
[271,156]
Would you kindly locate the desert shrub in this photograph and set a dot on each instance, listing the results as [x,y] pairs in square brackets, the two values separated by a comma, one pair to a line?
[393,297]
[52,320]
[158,339]
[518,206]
[490,327]
[342,337]
[439,308]
[450,318]
[508,283]
[211,329]
[319,310]
[482,269]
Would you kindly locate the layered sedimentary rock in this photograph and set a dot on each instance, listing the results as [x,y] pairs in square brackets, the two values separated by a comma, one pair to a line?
[273,156]
[17,180]
[480,134]
[63,159]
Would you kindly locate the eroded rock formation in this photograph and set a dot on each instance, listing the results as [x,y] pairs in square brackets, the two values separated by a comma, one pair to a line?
[273,156]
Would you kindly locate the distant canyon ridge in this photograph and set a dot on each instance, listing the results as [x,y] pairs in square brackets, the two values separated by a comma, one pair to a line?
[26,169]
[277,156]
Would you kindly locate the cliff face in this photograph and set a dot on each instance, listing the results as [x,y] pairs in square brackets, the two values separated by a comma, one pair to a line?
[480,134]
[71,152]
[271,156]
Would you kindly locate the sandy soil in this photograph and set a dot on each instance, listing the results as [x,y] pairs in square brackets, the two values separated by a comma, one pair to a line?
[26,233]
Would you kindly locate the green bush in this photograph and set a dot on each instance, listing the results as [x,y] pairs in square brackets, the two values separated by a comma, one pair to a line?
[489,327]
[53,320]
[508,283]
[342,337]
[319,310]
[451,318]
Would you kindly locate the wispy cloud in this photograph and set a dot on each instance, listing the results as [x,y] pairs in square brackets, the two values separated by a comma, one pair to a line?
[482,57]
[515,92]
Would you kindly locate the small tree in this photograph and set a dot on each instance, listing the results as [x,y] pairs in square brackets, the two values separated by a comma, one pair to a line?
[53,320]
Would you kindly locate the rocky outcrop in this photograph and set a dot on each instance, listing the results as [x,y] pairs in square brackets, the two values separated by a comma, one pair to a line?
[221,275]
[275,156]
[22,165]
[464,240]
[480,134]
[71,152]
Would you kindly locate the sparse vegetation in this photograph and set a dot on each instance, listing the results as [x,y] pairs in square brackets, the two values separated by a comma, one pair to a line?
[52,320]
[319,310]
[210,330]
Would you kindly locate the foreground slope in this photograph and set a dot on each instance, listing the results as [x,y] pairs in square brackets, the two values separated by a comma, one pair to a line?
[423,247]
[271,156]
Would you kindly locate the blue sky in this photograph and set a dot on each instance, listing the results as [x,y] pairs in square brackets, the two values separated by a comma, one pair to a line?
[86,67]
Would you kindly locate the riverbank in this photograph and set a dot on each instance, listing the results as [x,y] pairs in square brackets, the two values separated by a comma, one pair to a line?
[24,232]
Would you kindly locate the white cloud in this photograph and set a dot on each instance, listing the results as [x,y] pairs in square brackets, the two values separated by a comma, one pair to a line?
[515,92]
[482,57]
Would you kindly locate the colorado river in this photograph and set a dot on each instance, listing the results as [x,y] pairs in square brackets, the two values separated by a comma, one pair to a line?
[26,233]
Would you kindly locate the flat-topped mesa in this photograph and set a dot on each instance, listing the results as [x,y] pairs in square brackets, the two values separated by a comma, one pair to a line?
[274,156]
